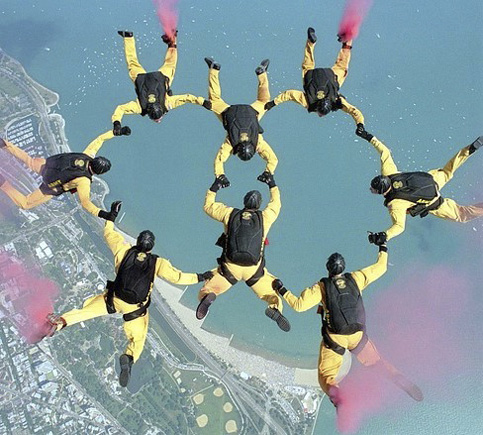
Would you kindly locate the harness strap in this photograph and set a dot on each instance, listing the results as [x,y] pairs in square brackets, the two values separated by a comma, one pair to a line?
[225,272]
[257,275]
[109,297]
[141,311]
[328,342]
[361,344]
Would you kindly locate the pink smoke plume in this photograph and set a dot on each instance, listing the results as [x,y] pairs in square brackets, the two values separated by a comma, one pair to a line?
[354,13]
[419,320]
[167,11]
[28,297]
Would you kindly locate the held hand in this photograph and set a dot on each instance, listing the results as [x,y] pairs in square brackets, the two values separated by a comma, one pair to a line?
[116,128]
[267,178]
[362,133]
[125,131]
[112,214]
[269,105]
[220,183]
[205,276]
[207,104]
[278,286]
[116,207]
[378,239]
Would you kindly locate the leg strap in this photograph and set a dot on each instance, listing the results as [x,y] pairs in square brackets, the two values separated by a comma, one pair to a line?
[225,272]
[329,343]
[257,275]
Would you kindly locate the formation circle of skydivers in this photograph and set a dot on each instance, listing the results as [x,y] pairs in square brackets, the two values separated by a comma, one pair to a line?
[338,295]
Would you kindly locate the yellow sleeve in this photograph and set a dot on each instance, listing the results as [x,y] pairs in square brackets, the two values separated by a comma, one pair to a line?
[216,210]
[116,243]
[352,111]
[369,274]
[165,270]
[292,95]
[272,210]
[83,186]
[388,167]
[225,151]
[174,101]
[267,154]
[309,298]
[397,210]
[97,143]
[131,108]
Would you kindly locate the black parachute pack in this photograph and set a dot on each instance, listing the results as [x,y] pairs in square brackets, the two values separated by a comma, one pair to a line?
[135,276]
[417,187]
[152,88]
[241,123]
[59,169]
[321,83]
[345,312]
[243,243]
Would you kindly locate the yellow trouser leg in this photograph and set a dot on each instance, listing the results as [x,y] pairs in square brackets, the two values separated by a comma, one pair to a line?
[442,176]
[169,65]
[341,65]
[263,95]
[93,307]
[309,60]
[263,289]
[330,363]
[136,331]
[452,211]
[217,285]
[25,202]
[214,93]
[133,65]
[33,163]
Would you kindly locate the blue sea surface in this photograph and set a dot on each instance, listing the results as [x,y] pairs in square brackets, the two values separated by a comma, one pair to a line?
[416,75]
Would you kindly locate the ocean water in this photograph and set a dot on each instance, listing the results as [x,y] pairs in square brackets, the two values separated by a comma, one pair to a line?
[415,73]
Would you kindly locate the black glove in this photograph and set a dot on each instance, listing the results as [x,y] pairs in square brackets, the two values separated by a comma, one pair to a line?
[125,131]
[269,105]
[267,177]
[116,128]
[207,104]
[278,286]
[112,214]
[361,132]
[377,238]
[205,276]
[220,183]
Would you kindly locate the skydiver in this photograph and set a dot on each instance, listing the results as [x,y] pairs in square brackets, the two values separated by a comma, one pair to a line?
[153,89]
[243,242]
[321,85]
[344,322]
[130,293]
[241,122]
[61,173]
[417,193]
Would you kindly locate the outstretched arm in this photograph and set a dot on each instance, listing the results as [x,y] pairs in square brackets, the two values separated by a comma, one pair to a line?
[115,241]
[97,143]
[352,111]
[272,210]
[292,95]
[225,151]
[267,154]
[388,167]
[83,186]
[165,270]
[397,211]
[369,274]
[310,297]
[174,101]
[131,108]
[216,210]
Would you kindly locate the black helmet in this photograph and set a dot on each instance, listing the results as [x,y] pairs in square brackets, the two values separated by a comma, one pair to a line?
[380,184]
[155,111]
[324,106]
[252,200]
[245,150]
[335,264]
[100,165]
[145,241]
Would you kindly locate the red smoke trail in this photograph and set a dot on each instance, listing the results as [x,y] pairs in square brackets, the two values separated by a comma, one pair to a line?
[420,332]
[167,11]
[28,297]
[354,13]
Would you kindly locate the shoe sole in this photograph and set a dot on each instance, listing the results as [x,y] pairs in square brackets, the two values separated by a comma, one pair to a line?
[278,317]
[125,374]
[204,306]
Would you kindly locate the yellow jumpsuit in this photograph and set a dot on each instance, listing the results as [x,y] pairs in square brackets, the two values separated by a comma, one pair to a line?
[95,306]
[168,69]
[330,362]
[263,287]
[340,69]
[82,184]
[449,209]
[219,106]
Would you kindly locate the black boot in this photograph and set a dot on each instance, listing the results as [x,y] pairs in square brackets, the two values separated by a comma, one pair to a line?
[126,362]
[204,305]
[311,36]
[277,316]
[263,67]
[476,144]
[125,33]
[212,63]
